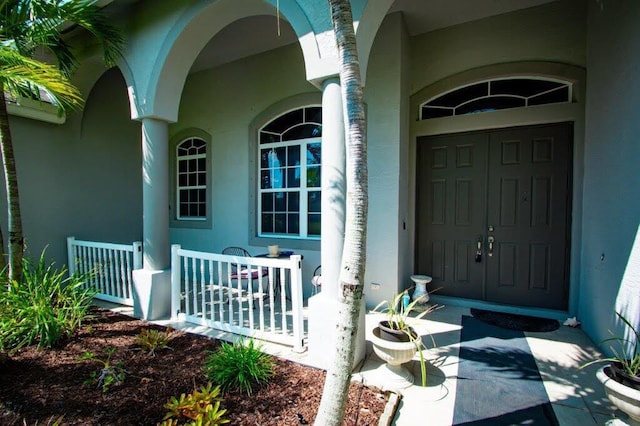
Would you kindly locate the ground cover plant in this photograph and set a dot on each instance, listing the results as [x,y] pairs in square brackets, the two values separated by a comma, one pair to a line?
[42,386]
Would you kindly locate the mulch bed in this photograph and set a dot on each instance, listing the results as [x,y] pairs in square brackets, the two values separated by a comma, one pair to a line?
[44,386]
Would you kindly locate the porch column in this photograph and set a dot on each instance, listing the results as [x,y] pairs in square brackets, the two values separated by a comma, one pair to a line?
[333,186]
[152,284]
[155,194]
[323,307]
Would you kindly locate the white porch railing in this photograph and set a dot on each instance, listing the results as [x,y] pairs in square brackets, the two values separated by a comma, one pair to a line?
[218,291]
[109,267]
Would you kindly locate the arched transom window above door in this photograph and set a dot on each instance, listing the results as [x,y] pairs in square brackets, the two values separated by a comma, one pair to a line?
[496,94]
[289,167]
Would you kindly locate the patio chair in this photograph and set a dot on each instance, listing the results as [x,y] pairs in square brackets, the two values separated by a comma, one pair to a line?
[316,280]
[256,273]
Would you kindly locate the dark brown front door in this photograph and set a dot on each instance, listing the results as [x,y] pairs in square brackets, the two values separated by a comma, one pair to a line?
[492,214]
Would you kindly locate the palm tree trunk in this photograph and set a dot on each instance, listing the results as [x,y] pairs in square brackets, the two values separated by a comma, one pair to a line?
[334,396]
[16,239]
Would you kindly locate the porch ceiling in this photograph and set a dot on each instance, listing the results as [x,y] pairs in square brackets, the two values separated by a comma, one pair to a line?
[255,34]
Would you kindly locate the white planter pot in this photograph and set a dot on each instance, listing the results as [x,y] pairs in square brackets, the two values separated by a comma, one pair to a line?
[623,397]
[394,354]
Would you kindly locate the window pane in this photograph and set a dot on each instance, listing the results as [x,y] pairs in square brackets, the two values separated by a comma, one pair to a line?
[522,86]
[428,112]
[313,153]
[304,131]
[265,179]
[182,179]
[293,224]
[202,210]
[280,225]
[202,179]
[280,202]
[267,202]
[313,177]
[193,179]
[182,166]
[264,158]
[313,224]
[268,138]
[490,104]
[193,210]
[313,115]
[464,94]
[267,222]
[293,178]
[293,201]
[184,209]
[202,164]
[293,155]
[314,200]
[284,122]
[557,96]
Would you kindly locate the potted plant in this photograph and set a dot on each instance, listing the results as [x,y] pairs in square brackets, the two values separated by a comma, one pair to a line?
[398,312]
[621,378]
[395,341]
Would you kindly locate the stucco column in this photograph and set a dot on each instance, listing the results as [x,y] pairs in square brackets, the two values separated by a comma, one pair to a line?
[323,308]
[152,283]
[333,186]
[155,194]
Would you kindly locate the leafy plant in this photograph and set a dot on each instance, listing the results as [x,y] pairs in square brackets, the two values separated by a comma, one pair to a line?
[399,317]
[626,352]
[109,374]
[239,366]
[152,340]
[44,307]
[201,407]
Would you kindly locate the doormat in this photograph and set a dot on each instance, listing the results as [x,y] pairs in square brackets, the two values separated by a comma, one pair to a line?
[515,322]
[498,380]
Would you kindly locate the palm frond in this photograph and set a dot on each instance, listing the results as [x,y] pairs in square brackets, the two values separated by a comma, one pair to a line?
[27,77]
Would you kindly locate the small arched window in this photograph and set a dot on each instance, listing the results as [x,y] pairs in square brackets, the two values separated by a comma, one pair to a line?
[191,179]
[289,166]
[496,94]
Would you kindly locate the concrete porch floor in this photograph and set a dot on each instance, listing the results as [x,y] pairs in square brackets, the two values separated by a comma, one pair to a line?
[576,395]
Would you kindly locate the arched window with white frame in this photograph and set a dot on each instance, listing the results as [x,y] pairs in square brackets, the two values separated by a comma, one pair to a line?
[289,171]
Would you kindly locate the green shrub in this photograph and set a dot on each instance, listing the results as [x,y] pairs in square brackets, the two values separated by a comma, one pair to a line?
[45,307]
[201,407]
[239,366]
[152,340]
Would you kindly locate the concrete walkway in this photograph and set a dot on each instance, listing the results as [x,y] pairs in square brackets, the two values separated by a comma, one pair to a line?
[576,395]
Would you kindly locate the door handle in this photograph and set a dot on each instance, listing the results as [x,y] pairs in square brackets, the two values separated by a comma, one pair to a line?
[478,257]
[491,240]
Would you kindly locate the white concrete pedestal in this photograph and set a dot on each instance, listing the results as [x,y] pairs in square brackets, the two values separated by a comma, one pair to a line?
[151,294]
[322,321]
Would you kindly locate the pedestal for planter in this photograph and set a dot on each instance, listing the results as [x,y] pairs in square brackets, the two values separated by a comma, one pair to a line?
[623,397]
[394,354]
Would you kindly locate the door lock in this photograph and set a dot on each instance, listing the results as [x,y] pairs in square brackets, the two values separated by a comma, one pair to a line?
[479,250]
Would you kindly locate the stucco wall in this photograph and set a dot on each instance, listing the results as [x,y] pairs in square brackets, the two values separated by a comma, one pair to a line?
[611,243]
[383,95]
[81,178]
[553,32]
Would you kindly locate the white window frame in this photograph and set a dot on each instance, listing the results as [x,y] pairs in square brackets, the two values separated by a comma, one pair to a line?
[179,188]
[175,219]
[302,190]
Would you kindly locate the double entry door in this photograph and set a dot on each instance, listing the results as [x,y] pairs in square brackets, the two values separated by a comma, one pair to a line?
[492,214]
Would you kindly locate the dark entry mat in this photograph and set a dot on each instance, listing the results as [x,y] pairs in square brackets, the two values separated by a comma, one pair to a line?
[515,322]
[498,379]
